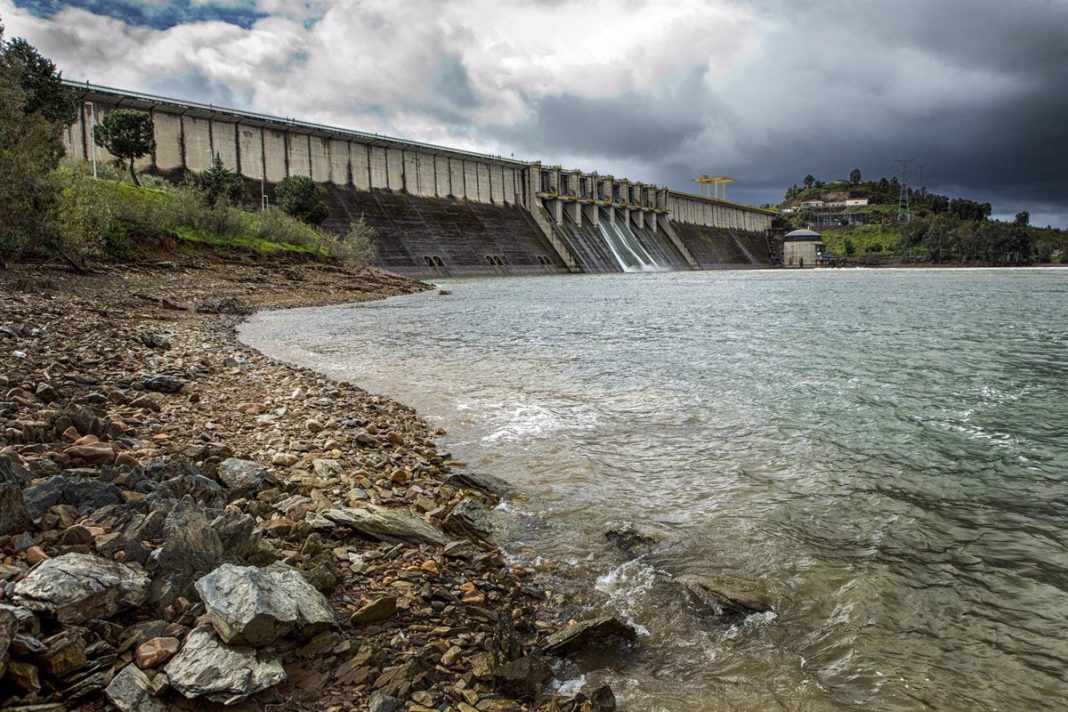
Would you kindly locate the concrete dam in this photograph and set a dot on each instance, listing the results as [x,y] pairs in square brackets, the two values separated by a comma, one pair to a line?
[446,212]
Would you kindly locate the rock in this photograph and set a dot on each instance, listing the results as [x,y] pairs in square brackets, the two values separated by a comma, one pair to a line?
[35,555]
[490,484]
[8,628]
[208,667]
[470,518]
[386,524]
[161,384]
[131,691]
[381,702]
[313,426]
[76,587]
[25,620]
[191,549]
[96,453]
[633,541]
[64,653]
[14,517]
[155,651]
[375,611]
[243,476]
[725,596]
[25,676]
[522,678]
[84,493]
[284,459]
[583,634]
[146,403]
[251,606]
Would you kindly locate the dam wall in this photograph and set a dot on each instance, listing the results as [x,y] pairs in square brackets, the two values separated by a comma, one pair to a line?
[438,210]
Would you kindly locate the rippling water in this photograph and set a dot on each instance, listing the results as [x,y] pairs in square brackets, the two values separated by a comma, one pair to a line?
[886,451]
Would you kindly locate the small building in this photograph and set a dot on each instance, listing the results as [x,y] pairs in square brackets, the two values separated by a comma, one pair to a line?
[802,248]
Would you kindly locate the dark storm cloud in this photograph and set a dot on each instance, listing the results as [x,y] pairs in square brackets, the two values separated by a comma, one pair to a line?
[627,126]
[975,90]
[158,16]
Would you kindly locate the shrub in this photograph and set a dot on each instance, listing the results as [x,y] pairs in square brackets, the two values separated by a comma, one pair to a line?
[220,184]
[276,226]
[301,198]
[90,220]
[357,246]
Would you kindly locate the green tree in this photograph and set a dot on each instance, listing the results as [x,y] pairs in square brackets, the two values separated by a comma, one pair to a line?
[127,135]
[1022,218]
[849,247]
[29,150]
[41,84]
[809,180]
[854,176]
[300,197]
[220,184]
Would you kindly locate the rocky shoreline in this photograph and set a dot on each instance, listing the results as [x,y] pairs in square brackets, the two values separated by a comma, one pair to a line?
[185,523]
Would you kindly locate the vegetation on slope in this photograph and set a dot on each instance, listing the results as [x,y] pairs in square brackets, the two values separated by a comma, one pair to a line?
[54,207]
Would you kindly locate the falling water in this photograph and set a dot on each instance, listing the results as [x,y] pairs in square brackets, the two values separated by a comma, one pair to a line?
[630,259]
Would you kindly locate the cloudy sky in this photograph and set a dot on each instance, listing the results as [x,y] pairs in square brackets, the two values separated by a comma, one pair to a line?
[660,91]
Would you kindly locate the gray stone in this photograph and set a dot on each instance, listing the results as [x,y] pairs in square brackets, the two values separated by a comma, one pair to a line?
[387,525]
[522,678]
[243,476]
[470,518]
[726,596]
[162,383]
[251,606]
[14,517]
[381,702]
[191,549]
[25,620]
[490,484]
[583,634]
[206,667]
[84,493]
[131,691]
[76,587]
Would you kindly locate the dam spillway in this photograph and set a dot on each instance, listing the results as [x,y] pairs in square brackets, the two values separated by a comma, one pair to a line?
[440,211]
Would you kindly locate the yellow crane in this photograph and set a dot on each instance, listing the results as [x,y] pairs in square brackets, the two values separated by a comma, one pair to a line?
[710,187]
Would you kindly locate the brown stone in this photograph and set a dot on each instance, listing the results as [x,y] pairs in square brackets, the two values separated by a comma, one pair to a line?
[35,555]
[156,651]
[376,611]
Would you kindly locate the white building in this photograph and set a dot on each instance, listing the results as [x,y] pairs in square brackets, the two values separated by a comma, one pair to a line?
[802,248]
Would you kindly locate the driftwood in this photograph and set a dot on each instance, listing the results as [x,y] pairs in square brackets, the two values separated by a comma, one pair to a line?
[161,301]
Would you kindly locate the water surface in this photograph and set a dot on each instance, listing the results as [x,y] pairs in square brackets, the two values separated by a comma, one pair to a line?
[886,451]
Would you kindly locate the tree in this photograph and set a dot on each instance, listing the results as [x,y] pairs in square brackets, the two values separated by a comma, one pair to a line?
[300,197]
[219,183]
[29,150]
[1022,218]
[41,84]
[854,176]
[127,135]
[809,180]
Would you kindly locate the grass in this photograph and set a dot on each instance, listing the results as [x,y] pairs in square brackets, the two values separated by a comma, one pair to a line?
[243,243]
[865,239]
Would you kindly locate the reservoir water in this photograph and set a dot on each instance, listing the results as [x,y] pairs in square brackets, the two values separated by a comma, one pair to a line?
[885,451]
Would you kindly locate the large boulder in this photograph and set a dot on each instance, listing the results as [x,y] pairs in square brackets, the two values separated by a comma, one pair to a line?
[206,667]
[77,587]
[490,484]
[244,476]
[470,518]
[14,517]
[191,549]
[251,606]
[8,629]
[725,596]
[522,678]
[596,631]
[79,490]
[162,383]
[387,525]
